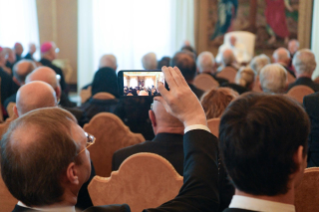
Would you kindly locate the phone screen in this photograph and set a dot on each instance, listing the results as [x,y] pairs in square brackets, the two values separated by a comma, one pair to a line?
[140,83]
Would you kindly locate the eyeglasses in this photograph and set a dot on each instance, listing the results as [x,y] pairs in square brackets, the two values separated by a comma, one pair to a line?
[90,140]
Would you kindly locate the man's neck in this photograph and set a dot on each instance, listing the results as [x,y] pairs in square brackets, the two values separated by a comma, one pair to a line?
[171,130]
[288,198]
[304,75]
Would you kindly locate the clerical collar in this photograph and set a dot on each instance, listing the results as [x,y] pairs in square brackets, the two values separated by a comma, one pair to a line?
[64,209]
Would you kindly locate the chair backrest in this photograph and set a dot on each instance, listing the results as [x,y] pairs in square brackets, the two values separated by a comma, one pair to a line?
[7,201]
[316,80]
[10,109]
[1,115]
[290,78]
[298,92]
[213,125]
[246,38]
[85,94]
[103,96]
[307,193]
[111,135]
[205,82]
[228,73]
[144,180]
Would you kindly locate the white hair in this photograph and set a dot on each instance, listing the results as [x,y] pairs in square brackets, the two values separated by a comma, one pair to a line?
[281,54]
[205,62]
[108,60]
[304,61]
[259,62]
[273,78]
[149,61]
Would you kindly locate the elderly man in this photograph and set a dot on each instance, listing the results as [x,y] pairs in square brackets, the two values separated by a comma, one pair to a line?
[185,61]
[228,60]
[282,56]
[273,79]
[149,61]
[48,54]
[206,65]
[256,64]
[18,49]
[56,186]
[20,71]
[108,60]
[32,50]
[305,63]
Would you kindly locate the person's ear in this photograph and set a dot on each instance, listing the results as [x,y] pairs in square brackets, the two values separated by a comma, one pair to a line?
[72,174]
[300,159]
[15,110]
[259,84]
[58,92]
[151,115]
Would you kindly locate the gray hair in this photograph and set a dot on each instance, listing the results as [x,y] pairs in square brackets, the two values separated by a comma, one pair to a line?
[259,62]
[273,78]
[281,54]
[304,61]
[149,61]
[108,60]
[205,62]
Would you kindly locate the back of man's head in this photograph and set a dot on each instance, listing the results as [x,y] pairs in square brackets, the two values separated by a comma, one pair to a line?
[22,69]
[304,62]
[185,61]
[282,56]
[35,151]
[263,141]
[206,62]
[259,62]
[273,79]
[162,121]
[108,60]
[18,48]
[228,57]
[149,61]
[293,46]
[34,95]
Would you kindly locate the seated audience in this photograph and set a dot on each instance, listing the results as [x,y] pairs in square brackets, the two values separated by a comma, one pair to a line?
[56,185]
[206,65]
[282,57]
[48,54]
[273,79]
[244,81]
[168,141]
[18,49]
[216,100]
[263,143]
[228,60]
[32,50]
[185,61]
[149,61]
[305,63]
[165,61]
[256,65]
[20,71]
[10,60]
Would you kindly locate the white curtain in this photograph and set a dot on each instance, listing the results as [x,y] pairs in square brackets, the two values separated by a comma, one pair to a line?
[315,35]
[129,29]
[19,23]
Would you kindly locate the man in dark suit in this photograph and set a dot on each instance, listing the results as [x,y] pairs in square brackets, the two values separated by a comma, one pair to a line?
[305,63]
[168,141]
[282,57]
[57,184]
[48,54]
[185,61]
[18,49]
[263,142]
[32,50]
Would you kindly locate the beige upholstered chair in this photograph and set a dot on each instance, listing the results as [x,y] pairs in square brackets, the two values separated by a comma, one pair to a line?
[205,82]
[307,193]
[290,78]
[144,180]
[298,92]
[213,125]
[85,94]
[103,96]
[111,135]
[7,201]
[228,73]
[10,109]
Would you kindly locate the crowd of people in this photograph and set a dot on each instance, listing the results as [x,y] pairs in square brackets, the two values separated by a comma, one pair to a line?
[264,143]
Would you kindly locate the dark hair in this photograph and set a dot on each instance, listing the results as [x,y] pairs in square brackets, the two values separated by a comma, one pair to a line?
[105,80]
[186,63]
[32,163]
[165,61]
[259,135]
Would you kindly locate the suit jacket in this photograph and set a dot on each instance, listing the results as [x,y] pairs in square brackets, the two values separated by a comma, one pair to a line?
[167,145]
[305,81]
[11,98]
[8,87]
[218,79]
[290,71]
[238,88]
[311,103]
[198,92]
[28,56]
[237,210]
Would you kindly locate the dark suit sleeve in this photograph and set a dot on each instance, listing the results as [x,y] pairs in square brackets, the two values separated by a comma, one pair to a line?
[109,208]
[200,189]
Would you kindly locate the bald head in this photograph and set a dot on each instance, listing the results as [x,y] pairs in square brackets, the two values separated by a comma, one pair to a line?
[206,62]
[108,60]
[22,69]
[34,95]
[273,79]
[282,56]
[149,61]
[185,61]
[163,122]
[228,57]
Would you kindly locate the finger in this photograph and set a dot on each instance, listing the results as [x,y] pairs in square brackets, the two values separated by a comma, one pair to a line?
[168,76]
[162,90]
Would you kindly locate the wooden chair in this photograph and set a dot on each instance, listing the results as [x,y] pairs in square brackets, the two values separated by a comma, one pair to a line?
[298,92]
[316,80]
[307,193]
[103,96]
[205,82]
[10,109]
[7,201]
[213,125]
[111,135]
[290,78]
[144,180]
[85,94]
[228,73]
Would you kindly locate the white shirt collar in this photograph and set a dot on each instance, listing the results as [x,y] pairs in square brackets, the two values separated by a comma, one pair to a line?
[64,209]
[254,204]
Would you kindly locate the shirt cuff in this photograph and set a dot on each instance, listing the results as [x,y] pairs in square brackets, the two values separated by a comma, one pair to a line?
[196,127]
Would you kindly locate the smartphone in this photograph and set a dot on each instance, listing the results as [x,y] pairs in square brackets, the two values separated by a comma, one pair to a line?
[139,82]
